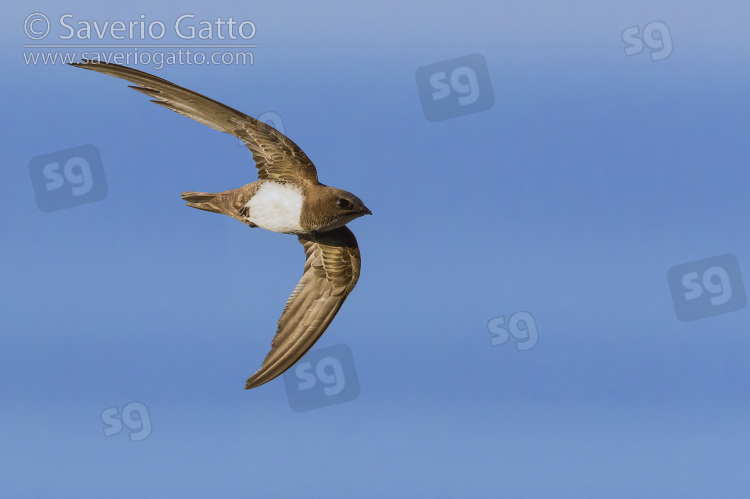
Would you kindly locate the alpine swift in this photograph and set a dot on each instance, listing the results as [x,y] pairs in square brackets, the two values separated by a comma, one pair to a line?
[287,198]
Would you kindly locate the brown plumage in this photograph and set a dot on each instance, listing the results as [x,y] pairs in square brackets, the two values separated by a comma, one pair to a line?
[331,271]
[290,199]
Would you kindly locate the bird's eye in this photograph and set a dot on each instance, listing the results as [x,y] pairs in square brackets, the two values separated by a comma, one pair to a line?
[344,204]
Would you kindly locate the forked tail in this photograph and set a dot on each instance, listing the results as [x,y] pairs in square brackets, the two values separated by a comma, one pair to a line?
[203,201]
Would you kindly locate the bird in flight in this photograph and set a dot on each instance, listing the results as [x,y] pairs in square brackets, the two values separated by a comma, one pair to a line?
[289,199]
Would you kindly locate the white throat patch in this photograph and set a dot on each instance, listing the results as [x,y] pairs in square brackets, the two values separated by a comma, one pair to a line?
[276,207]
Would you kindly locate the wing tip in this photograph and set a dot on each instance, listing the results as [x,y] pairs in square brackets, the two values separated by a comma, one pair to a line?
[81,64]
[255,381]
[84,63]
[268,372]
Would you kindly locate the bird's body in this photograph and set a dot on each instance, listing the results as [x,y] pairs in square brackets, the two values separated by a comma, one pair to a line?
[276,207]
[288,199]
[280,206]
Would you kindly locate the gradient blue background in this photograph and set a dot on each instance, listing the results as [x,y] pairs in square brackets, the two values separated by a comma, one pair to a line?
[591,176]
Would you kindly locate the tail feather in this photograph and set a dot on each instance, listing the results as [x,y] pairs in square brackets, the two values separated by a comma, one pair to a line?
[206,201]
[231,203]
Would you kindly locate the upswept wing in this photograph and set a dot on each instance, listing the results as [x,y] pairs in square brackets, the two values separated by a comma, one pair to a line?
[275,155]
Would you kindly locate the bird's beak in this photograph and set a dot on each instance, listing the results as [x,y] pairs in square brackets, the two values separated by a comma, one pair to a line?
[367,211]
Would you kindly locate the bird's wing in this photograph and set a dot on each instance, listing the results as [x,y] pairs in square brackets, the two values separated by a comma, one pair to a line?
[331,271]
[275,155]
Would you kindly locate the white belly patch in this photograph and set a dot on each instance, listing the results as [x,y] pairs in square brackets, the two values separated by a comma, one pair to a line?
[276,207]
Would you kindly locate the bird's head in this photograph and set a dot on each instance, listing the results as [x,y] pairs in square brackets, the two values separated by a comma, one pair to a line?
[331,208]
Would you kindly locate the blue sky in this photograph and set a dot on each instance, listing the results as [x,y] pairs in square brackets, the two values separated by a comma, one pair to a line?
[592,174]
